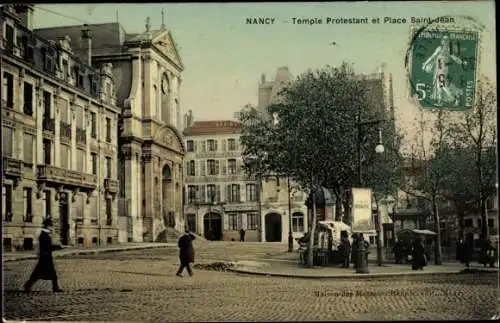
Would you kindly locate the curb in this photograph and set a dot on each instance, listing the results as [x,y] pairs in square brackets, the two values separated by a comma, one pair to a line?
[355,276]
[86,252]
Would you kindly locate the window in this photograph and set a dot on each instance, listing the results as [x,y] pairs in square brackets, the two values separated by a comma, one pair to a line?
[490,204]
[108,167]
[93,125]
[298,222]
[28,147]
[479,223]
[190,146]
[7,202]
[491,223]
[28,204]
[28,49]
[7,142]
[191,222]
[80,160]
[9,37]
[251,192]
[191,171]
[233,193]
[231,166]
[47,152]
[65,156]
[28,99]
[48,203]
[47,104]
[231,144]
[94,211]
[192,194]
[108,129]
[80,123]
[212,167]
[468,223]
[63,110]
[8,89]
[109,212]
[252,221]
[212,193]
[233,221]
[211,145]
[94,163]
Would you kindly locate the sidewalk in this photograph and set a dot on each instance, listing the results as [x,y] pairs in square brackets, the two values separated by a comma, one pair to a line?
[17,256]
[289,268]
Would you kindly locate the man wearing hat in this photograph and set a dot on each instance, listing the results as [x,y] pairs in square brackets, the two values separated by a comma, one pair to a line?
[186,252]
[45,269]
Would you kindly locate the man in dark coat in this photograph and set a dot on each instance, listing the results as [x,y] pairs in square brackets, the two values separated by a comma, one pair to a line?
[242,235]
[468,250]
[354,249]
[346,251]
[418,260]
[186,253]
[399,253]
[45,269]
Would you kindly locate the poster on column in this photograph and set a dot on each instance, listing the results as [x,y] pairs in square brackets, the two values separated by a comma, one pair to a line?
[361,210]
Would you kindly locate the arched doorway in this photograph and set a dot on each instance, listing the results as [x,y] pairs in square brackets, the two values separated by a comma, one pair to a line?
[273,227]
[167,197]
[212,226]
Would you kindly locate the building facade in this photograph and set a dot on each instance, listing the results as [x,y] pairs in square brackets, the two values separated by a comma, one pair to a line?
[59,141]
[220,199]
[147,70]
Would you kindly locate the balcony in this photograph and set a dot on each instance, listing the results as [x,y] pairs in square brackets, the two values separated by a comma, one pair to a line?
[65,177]
[49,125]
[13,167]
[65,130]
[81,136]
[111,185]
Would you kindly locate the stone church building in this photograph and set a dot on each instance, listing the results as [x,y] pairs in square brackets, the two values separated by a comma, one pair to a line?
[147,78]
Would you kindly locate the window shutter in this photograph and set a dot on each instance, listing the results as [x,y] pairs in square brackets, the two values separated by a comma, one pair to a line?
[215,144]
[217,193]
[224,167]
[203,170]
[228,193]
[236,144]
[195,163]
[203,146]
[217,167]
[194,146]
[187,168]
[224,145]
[202,193]
[239,166]
[238,192]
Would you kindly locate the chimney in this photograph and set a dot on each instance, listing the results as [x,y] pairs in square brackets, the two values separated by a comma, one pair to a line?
[87,35]
[263,78]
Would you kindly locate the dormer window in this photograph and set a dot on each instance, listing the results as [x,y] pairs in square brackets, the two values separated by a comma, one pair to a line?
[48,60]
[28,49]
[9,37]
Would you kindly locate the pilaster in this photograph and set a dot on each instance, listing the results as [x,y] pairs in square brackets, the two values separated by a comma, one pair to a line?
[149,198]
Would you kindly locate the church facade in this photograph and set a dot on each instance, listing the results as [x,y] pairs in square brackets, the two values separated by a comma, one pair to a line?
[147,78]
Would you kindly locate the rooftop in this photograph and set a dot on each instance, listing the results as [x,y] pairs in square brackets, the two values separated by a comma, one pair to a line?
[215,127]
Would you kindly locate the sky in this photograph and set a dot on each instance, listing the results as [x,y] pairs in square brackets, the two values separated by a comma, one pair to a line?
[224,57]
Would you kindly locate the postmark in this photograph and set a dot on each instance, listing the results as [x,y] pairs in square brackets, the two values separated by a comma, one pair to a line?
[442,63]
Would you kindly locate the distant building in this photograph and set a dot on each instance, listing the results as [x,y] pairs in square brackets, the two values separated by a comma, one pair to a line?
[59,139]
[220,199]
[147,69]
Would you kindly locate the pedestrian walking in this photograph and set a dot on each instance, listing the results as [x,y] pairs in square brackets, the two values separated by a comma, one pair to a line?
[242,235]
[468,250]
[186,253]
[418,260]
[354,250]
[399,251]
[45,269]
[346,251]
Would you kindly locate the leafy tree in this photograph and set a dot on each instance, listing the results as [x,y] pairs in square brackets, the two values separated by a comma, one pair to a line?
[474,139]
[429,167]
[315,139]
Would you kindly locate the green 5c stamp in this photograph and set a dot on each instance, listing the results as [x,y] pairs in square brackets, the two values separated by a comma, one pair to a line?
[442,68]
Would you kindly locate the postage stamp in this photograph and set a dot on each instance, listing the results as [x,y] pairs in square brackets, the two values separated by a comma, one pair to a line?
[443,66]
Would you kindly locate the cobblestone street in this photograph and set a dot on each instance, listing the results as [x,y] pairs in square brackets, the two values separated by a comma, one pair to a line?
[142,286]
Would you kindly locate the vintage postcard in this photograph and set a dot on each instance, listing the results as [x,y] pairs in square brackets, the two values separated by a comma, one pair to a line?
[195,162]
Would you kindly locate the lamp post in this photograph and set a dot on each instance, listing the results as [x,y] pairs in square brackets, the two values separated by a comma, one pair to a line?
[290,235]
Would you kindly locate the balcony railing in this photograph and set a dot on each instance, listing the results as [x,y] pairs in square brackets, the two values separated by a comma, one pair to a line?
[65,129]
[111,185]
[49,125]
[12,166]
[67,177]
[81,135]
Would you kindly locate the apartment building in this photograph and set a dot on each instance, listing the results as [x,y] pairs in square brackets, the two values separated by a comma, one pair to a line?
[59,139]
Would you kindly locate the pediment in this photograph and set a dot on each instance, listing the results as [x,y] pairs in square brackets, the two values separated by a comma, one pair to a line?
[165,43]
[166,136]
